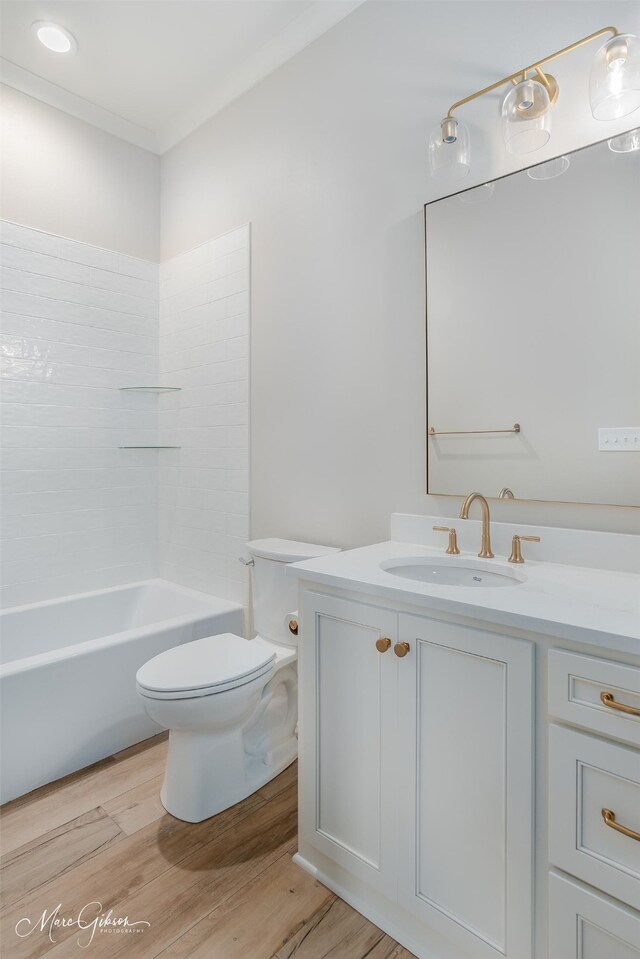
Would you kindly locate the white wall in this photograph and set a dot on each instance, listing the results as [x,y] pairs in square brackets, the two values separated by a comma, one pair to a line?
[67,177]
[327,159]
[204,350]
[79,322]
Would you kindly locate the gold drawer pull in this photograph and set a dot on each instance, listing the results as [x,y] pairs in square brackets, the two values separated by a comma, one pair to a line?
[382,644]
[607,700]
[610,820]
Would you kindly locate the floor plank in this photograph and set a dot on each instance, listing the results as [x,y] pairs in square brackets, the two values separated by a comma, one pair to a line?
[222,889]
[137,807]
[183,895]
[337,931]
[55,804]
[52,855]
[289,777]
[253,921]
[117,874]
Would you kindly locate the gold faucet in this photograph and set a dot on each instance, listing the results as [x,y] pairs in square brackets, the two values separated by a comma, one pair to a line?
[485,552]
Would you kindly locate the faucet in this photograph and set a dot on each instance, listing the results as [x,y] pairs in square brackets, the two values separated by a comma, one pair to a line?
[485,552]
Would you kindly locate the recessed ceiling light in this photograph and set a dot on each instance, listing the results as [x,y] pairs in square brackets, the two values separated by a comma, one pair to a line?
[54,37]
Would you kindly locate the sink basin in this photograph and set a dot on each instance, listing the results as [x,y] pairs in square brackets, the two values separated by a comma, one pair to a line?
[452,572]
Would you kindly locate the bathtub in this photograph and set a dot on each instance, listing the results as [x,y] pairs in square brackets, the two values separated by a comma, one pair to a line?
[67,673]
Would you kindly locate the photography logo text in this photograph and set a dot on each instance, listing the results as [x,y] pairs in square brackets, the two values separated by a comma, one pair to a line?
[90,921]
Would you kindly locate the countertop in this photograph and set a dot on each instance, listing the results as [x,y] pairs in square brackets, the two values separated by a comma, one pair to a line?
[598,607]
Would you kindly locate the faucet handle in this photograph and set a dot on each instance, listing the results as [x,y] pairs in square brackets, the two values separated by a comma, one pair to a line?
[452,547]
[516,552]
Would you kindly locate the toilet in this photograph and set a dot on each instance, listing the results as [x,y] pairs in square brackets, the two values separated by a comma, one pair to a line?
[231,704]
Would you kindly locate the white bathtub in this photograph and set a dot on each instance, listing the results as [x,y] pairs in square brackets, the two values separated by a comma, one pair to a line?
[67,673]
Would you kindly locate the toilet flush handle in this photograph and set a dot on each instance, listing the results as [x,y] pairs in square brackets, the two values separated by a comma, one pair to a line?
[246,562]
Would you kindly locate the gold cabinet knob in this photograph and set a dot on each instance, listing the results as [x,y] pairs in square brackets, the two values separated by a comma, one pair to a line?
[401,649]
[382,644]
[293,626]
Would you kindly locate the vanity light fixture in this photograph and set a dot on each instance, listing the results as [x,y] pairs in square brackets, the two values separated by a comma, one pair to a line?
[54,37]
[614,90]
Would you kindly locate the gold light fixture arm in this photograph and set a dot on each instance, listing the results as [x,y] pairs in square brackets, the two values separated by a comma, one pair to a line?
[522,73]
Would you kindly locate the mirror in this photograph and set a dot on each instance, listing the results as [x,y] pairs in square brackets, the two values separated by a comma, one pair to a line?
[533,333]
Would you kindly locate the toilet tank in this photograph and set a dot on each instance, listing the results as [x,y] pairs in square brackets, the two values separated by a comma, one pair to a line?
[274,594]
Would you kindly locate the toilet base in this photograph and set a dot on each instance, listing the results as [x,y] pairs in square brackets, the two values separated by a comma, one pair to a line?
[215,782]
[209,770]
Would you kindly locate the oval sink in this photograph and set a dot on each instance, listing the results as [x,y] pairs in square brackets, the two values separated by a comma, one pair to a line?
[451,572]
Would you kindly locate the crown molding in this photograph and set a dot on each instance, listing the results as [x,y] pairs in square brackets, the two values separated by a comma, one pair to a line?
[55,96]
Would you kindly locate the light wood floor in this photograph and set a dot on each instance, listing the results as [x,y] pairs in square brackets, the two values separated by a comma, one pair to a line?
[225,888]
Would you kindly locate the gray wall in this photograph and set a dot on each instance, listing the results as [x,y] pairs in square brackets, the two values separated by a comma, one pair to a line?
[327,159]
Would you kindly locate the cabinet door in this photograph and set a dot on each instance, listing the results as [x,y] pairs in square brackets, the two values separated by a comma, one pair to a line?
[465,699]
[348,704]
[586,925]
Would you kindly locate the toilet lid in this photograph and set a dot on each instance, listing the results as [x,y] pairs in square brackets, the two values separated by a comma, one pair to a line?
[214,663]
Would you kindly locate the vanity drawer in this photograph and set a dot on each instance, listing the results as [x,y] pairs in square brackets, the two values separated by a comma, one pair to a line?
[586,776]
[576,684]
[585,925]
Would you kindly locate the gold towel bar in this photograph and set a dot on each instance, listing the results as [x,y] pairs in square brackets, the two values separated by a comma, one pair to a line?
[433,432]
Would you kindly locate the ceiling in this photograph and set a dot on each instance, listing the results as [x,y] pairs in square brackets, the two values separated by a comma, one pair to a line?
[151,72]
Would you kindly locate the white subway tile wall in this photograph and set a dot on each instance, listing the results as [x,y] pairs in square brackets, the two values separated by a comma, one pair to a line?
[77,512]
[204,349]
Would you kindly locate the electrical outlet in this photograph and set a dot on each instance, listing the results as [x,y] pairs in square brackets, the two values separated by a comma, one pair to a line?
[619,439]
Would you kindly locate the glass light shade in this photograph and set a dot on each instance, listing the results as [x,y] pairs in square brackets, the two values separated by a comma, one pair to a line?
[550,169]
[626,142]
[450,158]
[614,82]
[526,117]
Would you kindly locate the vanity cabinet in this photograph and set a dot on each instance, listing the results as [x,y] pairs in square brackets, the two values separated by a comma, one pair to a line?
[416,769]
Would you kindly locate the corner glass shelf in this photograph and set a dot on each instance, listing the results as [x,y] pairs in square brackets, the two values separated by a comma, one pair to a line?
[149,447]
[150,389]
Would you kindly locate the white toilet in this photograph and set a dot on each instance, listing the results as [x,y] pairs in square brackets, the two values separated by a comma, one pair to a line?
[231,704]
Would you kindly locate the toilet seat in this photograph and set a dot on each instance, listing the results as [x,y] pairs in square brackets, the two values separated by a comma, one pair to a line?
[205,667]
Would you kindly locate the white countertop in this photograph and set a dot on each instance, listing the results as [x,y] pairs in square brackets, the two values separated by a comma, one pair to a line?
[598,607]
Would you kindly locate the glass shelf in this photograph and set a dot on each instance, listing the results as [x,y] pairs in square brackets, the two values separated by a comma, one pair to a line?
[150,389]
[149,447]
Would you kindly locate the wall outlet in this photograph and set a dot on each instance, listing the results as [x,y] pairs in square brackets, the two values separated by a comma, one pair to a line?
[619,439]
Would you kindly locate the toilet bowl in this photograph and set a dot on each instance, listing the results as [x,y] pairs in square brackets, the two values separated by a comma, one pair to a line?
[231,704]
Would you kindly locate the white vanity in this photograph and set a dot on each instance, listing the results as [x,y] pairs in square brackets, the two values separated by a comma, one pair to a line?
[456,754]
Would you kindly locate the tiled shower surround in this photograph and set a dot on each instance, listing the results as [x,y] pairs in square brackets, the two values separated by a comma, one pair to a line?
[79,324]
[204,349]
